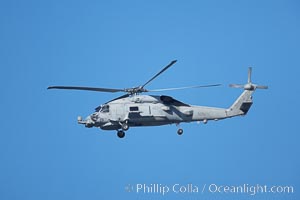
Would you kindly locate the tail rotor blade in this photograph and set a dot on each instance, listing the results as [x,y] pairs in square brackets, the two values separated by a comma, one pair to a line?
[236,85]
[262,87]
[249,74]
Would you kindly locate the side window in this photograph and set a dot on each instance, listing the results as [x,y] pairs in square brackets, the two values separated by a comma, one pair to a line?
[134,108]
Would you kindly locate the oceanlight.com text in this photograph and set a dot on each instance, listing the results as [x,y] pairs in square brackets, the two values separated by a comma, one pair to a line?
[249,189]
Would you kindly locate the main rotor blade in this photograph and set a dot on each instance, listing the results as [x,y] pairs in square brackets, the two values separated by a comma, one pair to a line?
[86,88]
[164,69]
[183,88]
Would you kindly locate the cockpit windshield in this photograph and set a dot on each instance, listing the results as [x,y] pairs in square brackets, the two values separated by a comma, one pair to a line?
[103,108]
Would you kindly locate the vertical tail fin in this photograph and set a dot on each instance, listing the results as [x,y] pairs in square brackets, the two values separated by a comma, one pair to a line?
[242,105]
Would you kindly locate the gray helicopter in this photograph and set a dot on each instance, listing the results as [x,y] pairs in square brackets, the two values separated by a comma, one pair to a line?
[134,109]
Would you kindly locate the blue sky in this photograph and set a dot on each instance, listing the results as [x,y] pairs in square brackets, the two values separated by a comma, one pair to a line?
[45,154]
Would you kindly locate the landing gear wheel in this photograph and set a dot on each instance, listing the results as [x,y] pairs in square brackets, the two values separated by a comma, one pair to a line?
[121,134]
[125,126]
[180,131]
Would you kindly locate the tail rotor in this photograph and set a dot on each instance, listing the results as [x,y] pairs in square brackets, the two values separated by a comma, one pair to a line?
[249,85]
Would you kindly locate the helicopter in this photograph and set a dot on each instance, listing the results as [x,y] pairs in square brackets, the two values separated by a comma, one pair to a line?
[135,110]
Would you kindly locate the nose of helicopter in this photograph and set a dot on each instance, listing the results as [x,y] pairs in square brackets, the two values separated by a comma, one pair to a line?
[96,119]
[88,122]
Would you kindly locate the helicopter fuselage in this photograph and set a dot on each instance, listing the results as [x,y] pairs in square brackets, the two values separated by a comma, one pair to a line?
[148,110]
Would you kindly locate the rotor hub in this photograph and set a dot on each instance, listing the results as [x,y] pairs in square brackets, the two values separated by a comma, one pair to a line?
[249,86]
[135,90]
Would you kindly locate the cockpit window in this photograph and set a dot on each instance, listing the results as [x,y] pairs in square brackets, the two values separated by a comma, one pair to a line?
[98,108]
[104,108]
